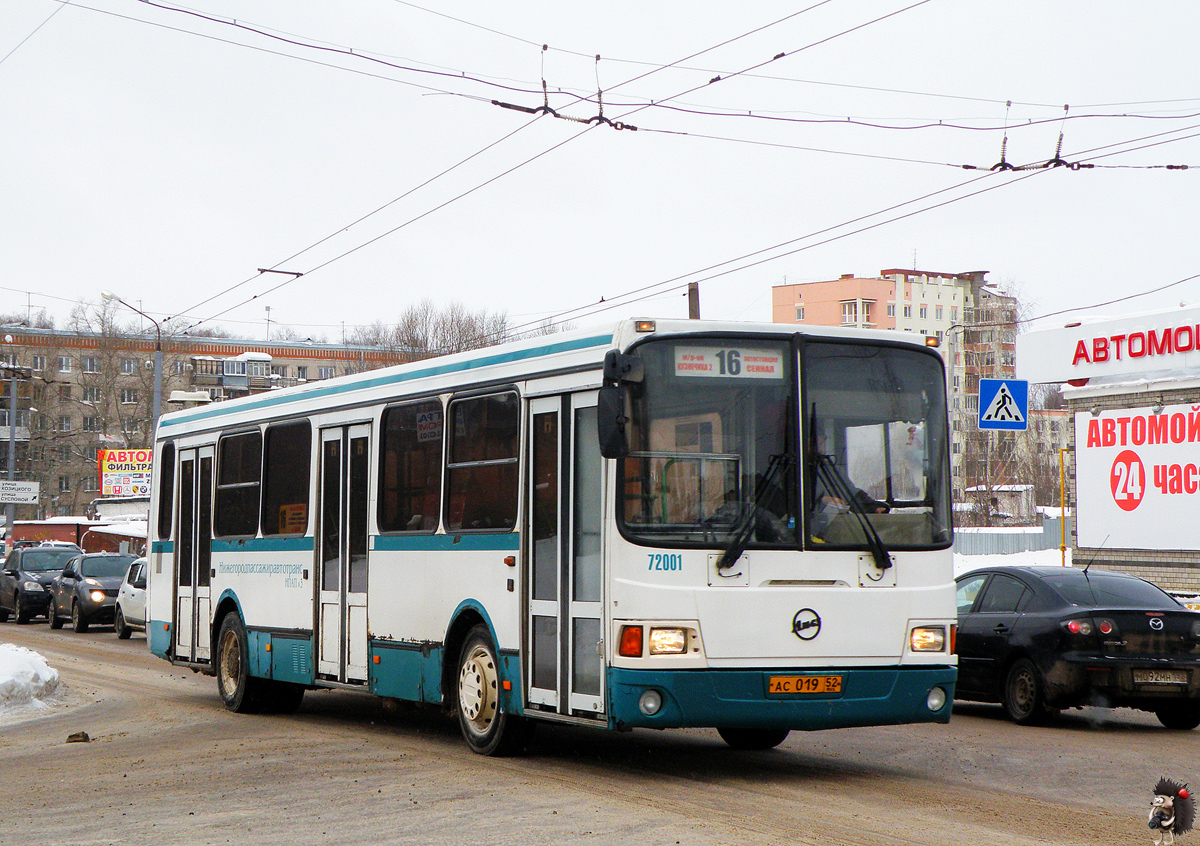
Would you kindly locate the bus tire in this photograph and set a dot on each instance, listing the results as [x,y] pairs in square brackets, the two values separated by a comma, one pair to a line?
[752,739]
[240,692]
[486,727]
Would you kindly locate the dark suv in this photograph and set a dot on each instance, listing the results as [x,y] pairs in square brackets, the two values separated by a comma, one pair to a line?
[25,581]
[87,588]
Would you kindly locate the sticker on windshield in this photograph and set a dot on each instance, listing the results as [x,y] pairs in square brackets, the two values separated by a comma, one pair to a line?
[728,362]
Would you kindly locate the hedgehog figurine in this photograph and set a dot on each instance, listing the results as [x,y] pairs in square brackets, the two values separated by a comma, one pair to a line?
[1172,811]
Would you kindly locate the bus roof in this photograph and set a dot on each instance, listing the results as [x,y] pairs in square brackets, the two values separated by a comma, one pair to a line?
[575,350]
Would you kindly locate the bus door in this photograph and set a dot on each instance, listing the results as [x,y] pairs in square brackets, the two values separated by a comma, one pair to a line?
[565,632]
[342,552]
[193,555]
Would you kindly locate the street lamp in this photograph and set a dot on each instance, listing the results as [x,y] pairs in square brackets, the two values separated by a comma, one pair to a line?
[110,296]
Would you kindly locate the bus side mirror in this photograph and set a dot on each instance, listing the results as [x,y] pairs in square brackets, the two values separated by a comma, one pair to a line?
[623,367]
[611,421]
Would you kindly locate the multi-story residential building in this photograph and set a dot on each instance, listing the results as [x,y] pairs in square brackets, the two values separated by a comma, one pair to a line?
[975,327]
[80,392]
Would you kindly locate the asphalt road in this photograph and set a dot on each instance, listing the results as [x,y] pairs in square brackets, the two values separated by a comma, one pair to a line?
[168,765]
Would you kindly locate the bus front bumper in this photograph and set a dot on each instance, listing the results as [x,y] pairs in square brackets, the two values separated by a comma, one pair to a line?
[869,696]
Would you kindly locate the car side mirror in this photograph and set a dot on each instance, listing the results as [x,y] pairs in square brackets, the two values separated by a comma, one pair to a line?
[140,584]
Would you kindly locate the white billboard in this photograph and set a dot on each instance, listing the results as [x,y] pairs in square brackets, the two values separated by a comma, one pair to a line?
[1161,341]
[1137,478]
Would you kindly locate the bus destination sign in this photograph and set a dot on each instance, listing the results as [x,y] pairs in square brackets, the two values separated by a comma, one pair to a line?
[728,362]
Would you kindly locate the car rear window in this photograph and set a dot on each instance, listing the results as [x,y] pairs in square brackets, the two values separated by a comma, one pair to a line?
[41,560]
[1100,590]
[109,565]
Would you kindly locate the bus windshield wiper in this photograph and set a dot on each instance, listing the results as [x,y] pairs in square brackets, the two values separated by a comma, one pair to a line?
[741,536]
[839,486]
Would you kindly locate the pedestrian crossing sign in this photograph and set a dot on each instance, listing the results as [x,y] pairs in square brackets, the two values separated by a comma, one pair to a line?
[1003,404]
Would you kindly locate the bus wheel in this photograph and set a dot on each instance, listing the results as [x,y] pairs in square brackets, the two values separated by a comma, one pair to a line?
[485,726]
[753,739]
[239,690]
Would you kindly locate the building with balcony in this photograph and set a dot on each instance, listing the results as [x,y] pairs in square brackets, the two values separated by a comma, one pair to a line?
[80,392]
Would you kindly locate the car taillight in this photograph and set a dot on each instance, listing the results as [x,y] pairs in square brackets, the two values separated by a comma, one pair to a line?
[1078,626]
[1106,626]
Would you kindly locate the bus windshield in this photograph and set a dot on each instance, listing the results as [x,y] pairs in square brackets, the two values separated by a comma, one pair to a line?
[713,444]
[719,447]
[876,446]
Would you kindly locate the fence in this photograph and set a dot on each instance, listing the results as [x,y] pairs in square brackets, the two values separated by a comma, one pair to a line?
[1010,539]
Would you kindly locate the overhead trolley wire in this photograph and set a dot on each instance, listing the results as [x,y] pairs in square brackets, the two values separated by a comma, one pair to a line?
[477,187]
[674,283]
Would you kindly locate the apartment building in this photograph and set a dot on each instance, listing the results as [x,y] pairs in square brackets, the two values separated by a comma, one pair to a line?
[76,393]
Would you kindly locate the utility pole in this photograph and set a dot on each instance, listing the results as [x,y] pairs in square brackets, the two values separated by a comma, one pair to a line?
[693,296]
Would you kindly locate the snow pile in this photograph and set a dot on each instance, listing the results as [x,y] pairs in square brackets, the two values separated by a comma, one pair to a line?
[26,680]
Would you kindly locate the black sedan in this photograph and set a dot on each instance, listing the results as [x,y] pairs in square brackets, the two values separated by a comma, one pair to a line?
[86,589]
[25,580]
[1038,639]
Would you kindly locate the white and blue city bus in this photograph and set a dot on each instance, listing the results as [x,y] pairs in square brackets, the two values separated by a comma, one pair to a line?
[658,524]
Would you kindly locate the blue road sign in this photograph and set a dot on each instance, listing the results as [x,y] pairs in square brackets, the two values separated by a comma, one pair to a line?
[1003,404]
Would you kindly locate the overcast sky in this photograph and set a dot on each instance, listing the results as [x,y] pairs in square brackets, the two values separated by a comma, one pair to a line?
[149,151]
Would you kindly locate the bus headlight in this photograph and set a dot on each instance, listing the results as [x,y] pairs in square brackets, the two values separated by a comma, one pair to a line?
[928,639]
[668,641]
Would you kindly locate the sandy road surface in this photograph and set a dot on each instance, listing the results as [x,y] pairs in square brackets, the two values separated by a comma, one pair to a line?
[167,765]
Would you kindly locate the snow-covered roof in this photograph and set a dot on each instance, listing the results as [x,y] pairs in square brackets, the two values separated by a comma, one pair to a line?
[130,529]
[1001,488]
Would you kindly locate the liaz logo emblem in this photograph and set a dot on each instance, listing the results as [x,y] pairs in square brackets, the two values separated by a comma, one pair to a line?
[806,624]
[1156,623]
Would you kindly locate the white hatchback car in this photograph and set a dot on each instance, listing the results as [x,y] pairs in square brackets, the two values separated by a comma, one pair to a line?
[131,601]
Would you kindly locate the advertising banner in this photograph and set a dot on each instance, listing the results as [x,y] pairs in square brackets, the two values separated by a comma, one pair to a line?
[125,472]
[1161,341]
[1137,474]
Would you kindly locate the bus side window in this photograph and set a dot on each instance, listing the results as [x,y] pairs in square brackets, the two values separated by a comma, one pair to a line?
[286,479]
[481,473]
[410,468]
[239,470]
[166,489]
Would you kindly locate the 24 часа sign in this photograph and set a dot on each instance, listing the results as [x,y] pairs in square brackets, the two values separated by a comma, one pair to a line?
[1138,478]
